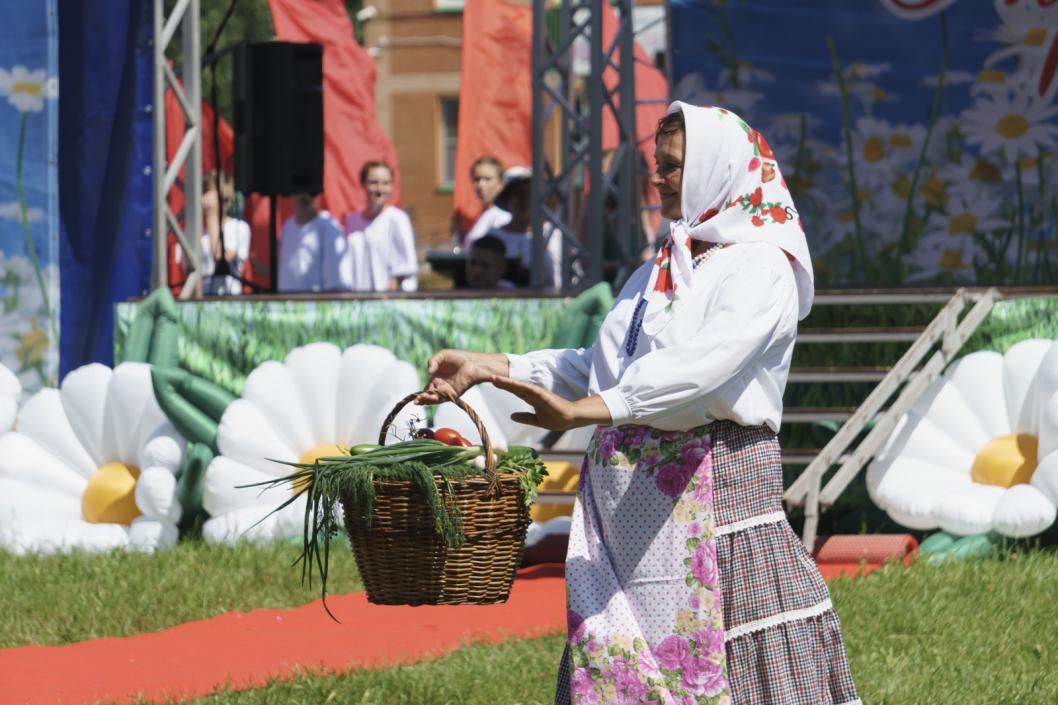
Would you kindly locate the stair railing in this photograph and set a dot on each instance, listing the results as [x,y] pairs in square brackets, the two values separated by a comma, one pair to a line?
[905,377]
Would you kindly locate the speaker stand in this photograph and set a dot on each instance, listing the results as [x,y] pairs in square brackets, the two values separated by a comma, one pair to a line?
[273,246]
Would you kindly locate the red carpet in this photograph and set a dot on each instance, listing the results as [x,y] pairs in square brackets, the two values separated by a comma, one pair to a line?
[244,649]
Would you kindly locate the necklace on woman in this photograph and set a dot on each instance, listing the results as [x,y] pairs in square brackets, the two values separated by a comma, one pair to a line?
[709,252]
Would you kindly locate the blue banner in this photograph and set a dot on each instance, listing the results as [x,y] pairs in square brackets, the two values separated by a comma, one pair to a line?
[106,129]
[919,137]
[29,231]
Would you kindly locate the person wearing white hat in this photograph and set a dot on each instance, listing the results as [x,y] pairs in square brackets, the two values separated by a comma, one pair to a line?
[512,226]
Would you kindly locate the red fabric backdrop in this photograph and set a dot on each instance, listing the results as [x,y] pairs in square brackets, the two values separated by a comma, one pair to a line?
[495,94]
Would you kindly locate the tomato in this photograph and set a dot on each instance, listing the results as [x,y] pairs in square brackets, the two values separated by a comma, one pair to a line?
[448,436]
[424,433]
[463,442]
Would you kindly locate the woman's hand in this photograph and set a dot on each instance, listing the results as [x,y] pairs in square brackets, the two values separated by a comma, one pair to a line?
[551,411]
[456,371]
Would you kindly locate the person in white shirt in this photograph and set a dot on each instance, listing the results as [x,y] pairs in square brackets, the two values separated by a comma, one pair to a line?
[225,242]
[488,178]
[310,244]
[379,248]
[514,202]
[679,543]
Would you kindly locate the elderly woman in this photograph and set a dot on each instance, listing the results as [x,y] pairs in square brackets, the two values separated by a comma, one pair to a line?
[685,582]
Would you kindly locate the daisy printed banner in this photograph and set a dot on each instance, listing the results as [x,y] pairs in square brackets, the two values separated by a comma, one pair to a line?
[29,242]
[923,151]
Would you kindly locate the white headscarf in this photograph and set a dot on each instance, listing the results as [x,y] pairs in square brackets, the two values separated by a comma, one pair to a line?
[733,192]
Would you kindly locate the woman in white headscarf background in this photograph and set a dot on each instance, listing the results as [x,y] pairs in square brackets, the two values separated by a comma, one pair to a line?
[686,583]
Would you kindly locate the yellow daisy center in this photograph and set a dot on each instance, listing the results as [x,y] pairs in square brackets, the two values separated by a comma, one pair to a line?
[110,497]
[900,139]
[935,192]
[878,93]
[1026,163]
[962,223]
[951,259]
[1035,37]
[1006,461]
[985,170]
[310,456]
[31,345]
[28,88]
[1012,125]
[991,76]
[902,186]
[874,149]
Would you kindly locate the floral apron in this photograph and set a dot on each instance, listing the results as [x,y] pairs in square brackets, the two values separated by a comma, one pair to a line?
[645,618]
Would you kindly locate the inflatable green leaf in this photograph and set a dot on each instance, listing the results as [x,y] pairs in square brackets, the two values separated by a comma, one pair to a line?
[191,484]
[193,404]
[943,546]
[154,333]
[583,317]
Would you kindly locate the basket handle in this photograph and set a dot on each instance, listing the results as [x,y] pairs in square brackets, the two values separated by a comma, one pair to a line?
[490,458]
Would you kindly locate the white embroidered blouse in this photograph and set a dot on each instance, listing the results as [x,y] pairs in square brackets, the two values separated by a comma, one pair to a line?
[725,355]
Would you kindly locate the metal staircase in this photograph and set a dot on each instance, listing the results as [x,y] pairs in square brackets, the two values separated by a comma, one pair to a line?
[897,387]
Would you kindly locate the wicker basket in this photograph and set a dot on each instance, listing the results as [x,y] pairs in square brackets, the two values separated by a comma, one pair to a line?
[402,559]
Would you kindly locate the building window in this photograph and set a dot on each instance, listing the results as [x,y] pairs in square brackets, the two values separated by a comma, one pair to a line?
[449,130]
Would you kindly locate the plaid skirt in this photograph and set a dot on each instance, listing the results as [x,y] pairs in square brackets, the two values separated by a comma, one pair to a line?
[782,637]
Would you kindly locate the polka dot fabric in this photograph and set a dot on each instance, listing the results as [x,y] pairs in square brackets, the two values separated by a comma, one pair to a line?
[645,619]
[783,641]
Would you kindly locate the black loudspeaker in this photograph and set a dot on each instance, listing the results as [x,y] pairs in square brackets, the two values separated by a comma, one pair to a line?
[279,118]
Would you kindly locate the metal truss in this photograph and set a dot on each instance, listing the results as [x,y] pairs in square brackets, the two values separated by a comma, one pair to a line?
[588,198]
[186,84]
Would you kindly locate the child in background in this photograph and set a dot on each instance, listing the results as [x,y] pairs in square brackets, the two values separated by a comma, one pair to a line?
[310,247]
[378,252]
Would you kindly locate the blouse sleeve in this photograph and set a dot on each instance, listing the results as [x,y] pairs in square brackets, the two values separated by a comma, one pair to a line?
[403,259]
[332,249]
[756,304]
[564,372]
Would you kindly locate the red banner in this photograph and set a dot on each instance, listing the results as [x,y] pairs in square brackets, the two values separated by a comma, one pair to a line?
[495,95]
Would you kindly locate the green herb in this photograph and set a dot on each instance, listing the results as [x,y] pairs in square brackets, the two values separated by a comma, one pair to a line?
[350,480]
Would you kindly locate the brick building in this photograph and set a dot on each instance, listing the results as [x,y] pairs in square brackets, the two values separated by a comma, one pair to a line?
[417,46]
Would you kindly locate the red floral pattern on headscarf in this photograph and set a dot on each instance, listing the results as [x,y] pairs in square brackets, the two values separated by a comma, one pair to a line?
[733,192]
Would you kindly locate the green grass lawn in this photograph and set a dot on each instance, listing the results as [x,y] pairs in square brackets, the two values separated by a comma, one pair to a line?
[960,633]
[61,599]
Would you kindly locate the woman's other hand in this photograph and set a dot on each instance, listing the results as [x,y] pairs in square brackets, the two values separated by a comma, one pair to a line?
[456,371]
[551,411]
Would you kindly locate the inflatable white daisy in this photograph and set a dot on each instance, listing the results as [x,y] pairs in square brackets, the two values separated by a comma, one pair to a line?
[318,400]
[10,391]
[979,451]
[92,466]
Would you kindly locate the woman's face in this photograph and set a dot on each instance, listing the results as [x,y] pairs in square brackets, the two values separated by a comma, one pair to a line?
[379,186]
[668,176]
[486,183]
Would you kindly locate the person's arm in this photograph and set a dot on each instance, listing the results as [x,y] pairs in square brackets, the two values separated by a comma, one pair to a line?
[212,216]
[335,247]
[240,246]
[404,263]
[753,305]
[456,371]
[564,372]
